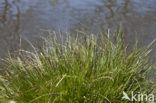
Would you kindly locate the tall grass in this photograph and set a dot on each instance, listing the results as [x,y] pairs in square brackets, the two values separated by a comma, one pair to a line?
[80,69]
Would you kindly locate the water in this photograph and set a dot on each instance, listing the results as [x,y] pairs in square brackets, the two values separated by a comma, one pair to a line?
[26,18]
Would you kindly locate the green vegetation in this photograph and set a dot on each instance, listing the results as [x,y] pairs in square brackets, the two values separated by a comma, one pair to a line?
[80,69]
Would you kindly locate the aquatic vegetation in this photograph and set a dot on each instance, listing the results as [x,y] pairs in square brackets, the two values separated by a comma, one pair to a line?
[81,69]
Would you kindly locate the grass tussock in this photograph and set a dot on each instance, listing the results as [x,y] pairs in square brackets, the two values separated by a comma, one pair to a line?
[85,69]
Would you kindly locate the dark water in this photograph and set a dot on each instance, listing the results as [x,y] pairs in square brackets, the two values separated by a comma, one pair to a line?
[25,18]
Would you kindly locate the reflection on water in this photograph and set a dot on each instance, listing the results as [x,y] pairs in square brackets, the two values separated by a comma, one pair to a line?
[26,17]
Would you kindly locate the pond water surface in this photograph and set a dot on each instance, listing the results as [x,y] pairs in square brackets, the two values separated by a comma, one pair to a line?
[26,18]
